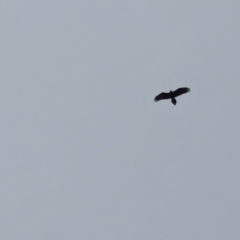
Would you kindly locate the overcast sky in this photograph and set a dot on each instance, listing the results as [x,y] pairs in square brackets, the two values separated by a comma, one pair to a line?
[86,154]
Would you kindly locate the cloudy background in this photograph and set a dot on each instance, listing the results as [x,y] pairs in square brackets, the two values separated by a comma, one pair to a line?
[85,151]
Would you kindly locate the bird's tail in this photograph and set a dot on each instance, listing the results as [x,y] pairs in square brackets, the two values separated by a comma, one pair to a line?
[174,101]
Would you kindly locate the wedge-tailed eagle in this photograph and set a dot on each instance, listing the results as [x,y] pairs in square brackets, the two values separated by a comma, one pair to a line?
[172,95]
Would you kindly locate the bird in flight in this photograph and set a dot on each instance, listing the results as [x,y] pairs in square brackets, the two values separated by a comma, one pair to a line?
[172,95]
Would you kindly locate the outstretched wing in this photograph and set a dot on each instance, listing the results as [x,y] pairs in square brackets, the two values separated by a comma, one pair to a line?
[180,91]
[162,96]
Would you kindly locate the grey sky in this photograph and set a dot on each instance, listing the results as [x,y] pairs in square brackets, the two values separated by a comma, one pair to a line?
[85,151]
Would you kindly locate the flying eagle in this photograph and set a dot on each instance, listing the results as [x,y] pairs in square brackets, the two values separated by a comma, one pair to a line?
[172,95]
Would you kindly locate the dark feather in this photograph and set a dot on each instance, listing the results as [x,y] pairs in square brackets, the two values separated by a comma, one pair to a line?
[174,101]
[162,96]
[180,91]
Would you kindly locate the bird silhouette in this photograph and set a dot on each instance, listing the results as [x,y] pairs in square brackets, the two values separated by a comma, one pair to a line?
[172,95]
